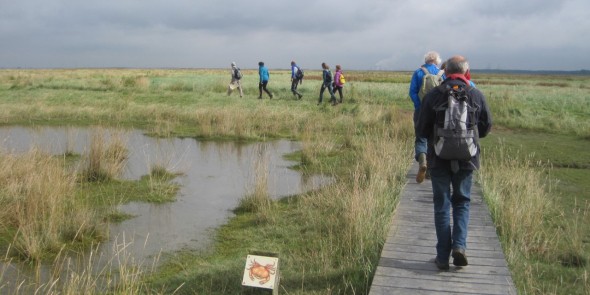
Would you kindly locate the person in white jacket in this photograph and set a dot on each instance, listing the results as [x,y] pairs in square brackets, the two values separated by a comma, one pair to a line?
[236,76]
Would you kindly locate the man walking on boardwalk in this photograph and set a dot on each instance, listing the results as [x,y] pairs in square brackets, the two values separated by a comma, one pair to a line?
[417,92]
[452,178]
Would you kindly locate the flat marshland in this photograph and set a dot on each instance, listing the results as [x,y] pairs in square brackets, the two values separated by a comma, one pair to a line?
[534,174]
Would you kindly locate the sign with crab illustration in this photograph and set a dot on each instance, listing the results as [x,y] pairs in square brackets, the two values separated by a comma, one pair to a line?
[261,271]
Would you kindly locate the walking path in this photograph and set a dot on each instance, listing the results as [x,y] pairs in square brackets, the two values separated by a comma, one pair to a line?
[407,261]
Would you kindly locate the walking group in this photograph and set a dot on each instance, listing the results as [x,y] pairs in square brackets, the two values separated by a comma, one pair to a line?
[450,115]
[334,83]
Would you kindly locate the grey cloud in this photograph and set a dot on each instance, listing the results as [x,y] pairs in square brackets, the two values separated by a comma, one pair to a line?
[357,34]
[521,9]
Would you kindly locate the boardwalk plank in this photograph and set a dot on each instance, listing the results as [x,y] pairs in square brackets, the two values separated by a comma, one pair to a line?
[407,259]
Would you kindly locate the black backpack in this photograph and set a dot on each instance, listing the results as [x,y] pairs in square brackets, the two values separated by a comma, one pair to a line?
[299,74]
[237,73]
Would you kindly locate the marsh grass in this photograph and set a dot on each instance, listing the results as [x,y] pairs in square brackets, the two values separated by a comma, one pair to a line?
[258,200]
[530,222]
[330,238]
[83,273]
[105,159]
[39,205]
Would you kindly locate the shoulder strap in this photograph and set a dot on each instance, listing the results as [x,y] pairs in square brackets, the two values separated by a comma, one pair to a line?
[426,72]
[440,73]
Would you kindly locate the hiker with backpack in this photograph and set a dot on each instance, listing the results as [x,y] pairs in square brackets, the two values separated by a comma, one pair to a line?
[453,117]
[327,83]
[296,79]
[264,77]
[236,76]
[339,82]
[423,80]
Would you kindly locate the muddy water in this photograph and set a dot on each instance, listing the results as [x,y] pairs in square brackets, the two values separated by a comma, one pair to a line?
[214,177]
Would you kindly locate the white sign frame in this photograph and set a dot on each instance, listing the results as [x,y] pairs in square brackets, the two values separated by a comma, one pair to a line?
[261,272]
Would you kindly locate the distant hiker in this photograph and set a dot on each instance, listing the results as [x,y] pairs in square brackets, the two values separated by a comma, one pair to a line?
[431,60]
[264,77]
[327,83]
[453,116]
[236,76]
[339,82]
[296,78]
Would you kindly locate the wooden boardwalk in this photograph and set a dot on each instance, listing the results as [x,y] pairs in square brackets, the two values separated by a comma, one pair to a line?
[407,261]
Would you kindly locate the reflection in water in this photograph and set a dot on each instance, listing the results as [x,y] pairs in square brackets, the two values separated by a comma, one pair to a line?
[214,176]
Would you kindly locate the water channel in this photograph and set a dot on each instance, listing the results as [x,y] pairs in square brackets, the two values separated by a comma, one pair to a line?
[213,177]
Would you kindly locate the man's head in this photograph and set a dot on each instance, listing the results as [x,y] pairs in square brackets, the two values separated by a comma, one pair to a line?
[233,64]
[292,62]
[456,65]
[260,63]
[432,57]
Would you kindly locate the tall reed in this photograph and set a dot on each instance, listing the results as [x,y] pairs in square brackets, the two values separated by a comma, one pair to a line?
[528,219]
[258,198]
[37,196]
[89,272]
[353,215]
[105,159]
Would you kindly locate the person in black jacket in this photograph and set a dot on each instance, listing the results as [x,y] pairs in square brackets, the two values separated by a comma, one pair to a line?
[451,180]
[327,83]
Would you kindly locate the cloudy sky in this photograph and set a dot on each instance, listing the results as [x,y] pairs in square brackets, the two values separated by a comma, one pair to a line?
[367,34]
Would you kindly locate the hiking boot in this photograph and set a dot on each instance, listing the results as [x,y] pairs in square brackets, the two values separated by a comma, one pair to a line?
[441,265]
[427,176]
[300,96]
[459,258]
[423,167]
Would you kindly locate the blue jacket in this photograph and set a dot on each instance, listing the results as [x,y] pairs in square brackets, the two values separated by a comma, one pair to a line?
[416,83]
[294,69]
[264,75]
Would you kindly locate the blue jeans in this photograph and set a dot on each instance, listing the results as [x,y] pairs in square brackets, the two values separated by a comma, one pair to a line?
[443,179]
[420,142]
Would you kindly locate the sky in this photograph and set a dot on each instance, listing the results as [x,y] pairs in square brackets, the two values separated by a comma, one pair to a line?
[359,35]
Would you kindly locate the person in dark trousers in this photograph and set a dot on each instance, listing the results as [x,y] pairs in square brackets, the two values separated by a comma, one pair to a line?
[451,180]
[295,79]
[431,60]
[264,77]
[338,85]
[327,83]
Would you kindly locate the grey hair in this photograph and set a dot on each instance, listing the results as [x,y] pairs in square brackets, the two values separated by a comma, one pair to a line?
[432,57]
[457,65]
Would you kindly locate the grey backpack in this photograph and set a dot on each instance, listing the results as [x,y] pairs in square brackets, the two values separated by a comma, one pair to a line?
[455,133]
[429,82]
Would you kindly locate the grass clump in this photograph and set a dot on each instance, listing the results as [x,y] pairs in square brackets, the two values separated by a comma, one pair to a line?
[37,197]
[105,160]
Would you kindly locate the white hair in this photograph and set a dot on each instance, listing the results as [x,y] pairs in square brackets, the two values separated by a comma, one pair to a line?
[432,57]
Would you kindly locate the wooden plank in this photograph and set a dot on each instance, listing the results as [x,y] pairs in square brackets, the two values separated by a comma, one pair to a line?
[407,259]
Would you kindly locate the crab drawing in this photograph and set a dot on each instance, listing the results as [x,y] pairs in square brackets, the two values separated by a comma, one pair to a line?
[261,272]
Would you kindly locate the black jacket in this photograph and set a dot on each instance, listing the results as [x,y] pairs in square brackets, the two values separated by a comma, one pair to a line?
[427,117]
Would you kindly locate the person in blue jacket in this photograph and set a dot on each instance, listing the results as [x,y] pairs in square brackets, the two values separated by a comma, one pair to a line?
[264,77]
[295,79]
[431,61]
